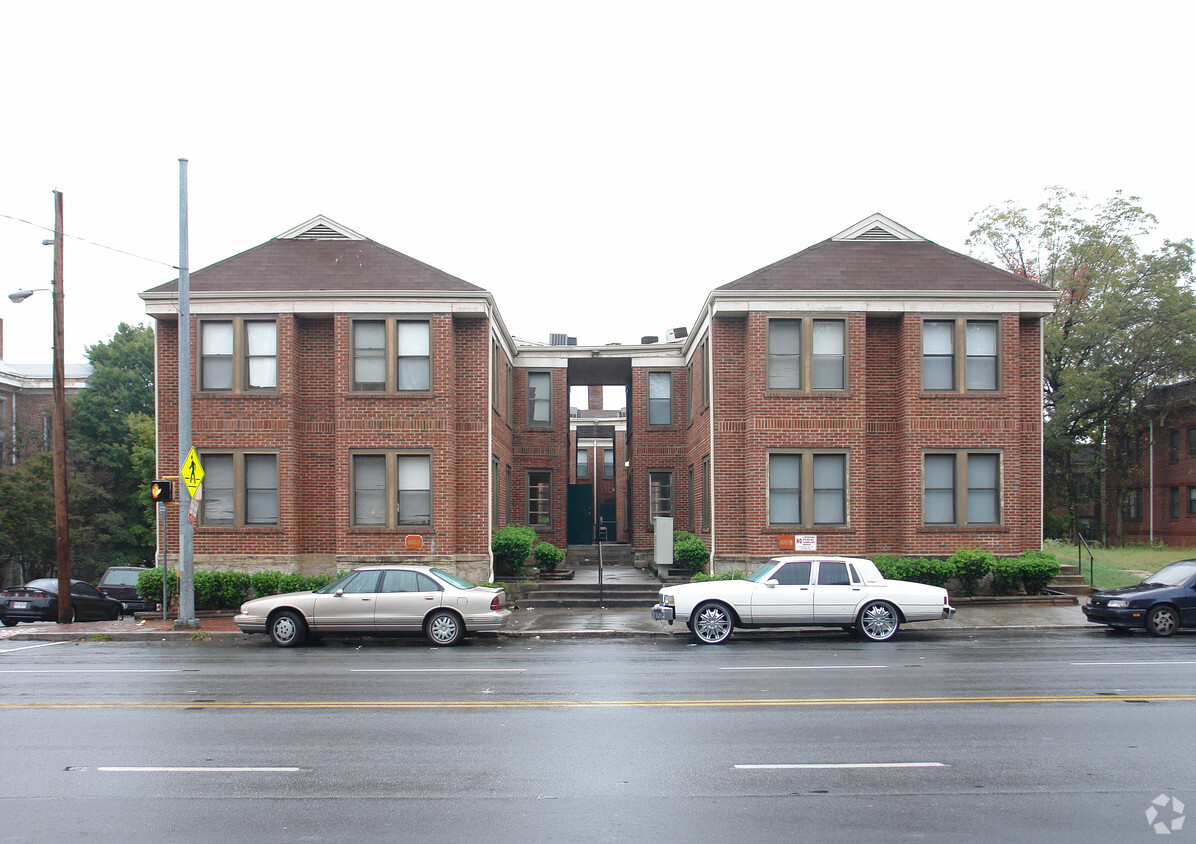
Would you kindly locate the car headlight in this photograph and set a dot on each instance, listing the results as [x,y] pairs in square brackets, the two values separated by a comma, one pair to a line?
[1118,604]
[666,600]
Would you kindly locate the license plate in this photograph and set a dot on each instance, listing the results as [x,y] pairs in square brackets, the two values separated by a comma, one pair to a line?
[19,605]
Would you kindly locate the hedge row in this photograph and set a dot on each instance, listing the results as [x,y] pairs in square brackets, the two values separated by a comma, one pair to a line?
[219,590]
[1032,571]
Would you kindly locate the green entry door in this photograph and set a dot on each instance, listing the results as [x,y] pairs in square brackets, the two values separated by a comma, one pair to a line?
[581,514]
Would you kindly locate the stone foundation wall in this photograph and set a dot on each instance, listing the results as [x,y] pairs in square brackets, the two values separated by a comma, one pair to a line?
[474,568]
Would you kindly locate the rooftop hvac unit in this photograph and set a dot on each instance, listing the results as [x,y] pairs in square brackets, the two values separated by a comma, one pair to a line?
[648,340]
[556,339]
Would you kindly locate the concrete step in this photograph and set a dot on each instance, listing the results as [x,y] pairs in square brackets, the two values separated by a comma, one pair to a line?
[562,595]
[613,554]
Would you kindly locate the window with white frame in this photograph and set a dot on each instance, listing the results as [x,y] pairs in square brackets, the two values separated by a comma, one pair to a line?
[660,494]
[240,489]
[391,355]
[391,489]
[807,488]
[583,462]
[660,398]
[961,488]
[608,462]
[539,398]
[804,351]
[976,370]
[238,355]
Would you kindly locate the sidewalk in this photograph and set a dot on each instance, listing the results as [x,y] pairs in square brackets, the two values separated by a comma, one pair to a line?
[565,623]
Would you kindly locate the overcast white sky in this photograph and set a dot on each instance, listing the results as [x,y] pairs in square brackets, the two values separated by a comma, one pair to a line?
[599,167]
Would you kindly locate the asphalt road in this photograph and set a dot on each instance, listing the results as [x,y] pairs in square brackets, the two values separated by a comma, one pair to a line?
[1067,736]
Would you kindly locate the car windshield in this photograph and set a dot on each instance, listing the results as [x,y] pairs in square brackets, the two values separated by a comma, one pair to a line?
[1175,574]
[336,584]
[120,577]
[45,584]
[452,579]
[759,575]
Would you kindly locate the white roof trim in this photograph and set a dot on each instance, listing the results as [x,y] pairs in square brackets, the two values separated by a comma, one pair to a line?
[320,221]
[878,224]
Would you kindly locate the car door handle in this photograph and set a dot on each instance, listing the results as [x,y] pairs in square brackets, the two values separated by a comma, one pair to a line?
[429,597]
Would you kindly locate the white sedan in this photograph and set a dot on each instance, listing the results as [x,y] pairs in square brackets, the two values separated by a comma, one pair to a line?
[847,592]
[380,600]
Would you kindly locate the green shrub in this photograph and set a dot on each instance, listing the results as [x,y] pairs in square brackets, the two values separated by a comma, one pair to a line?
[1007,575]
[915,569]
[548,556]
[689,551]
[511,546]
[264,583]
[971,566]
[702,577]
[1038,569]
[149,585]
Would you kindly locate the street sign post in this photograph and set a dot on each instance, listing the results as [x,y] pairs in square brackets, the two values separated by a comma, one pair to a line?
[192,472]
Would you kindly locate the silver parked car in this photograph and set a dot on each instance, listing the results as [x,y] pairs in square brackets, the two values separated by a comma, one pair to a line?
[379,600]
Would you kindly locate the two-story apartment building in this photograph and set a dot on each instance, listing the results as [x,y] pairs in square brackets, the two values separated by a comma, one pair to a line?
[872,393]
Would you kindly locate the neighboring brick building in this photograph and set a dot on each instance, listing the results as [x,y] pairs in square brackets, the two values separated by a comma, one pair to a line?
[873,393]
[1154,499]
[27,403]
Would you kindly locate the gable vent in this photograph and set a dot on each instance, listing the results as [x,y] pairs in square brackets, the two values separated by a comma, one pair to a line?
[876,233]
[321,232]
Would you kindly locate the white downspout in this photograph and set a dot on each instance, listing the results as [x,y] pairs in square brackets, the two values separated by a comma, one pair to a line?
[708,365]
[490,479]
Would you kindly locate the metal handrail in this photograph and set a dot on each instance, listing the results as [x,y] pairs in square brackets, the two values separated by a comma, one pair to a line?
[1082,546]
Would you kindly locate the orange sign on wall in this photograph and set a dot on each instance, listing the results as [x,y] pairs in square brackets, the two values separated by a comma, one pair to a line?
[414,542]
[785,542]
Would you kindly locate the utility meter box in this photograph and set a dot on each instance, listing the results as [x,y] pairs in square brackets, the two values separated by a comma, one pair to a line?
[662,545]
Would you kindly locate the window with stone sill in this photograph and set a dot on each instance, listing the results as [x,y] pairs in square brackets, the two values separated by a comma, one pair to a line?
[391,489]
[238,355]
[961,488]
[391,355]
[807,488]
[240,489]
[944,369]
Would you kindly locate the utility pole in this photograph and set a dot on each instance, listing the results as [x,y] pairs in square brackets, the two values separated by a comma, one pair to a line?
[62,543]
[186,535]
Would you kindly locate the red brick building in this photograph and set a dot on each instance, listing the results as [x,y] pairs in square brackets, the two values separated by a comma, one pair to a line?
[1154,498]
[873,393]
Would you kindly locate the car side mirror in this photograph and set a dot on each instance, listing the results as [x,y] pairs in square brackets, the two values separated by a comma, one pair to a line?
[339,593]
[773,583]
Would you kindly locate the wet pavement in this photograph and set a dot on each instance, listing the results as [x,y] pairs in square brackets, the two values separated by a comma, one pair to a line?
[527,621]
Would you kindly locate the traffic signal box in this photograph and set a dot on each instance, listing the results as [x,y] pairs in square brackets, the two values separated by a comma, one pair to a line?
[161,491]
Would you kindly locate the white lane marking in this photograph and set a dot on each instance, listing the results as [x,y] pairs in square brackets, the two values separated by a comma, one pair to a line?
[796,667]
[27,647]
[1135,663]
[93,670]
[433,670]
[126,769]
[841,765]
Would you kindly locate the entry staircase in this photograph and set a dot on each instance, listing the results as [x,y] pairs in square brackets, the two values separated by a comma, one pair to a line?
[1070,581]
[623,587]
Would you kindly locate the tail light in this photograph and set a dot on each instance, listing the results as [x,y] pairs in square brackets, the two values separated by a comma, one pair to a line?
[497,603]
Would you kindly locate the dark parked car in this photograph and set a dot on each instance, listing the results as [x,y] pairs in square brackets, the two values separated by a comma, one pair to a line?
[120,582]
[37,600]
[1162,603]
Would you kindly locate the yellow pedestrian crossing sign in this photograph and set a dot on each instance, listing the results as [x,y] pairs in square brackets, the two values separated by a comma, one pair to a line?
[192,472]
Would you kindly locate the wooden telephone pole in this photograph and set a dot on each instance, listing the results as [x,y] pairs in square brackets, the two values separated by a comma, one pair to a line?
[62,543]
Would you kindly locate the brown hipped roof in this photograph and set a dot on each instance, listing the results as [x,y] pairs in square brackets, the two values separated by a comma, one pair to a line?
[882,266]
[304,265]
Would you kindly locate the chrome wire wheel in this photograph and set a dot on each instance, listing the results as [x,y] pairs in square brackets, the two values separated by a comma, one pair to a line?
[878,621]
[712,623]
[444,628]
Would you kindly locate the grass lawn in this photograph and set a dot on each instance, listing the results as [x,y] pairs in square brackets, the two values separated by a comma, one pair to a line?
[1121,566]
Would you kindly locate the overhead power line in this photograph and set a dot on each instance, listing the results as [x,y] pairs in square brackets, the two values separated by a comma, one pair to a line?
[90,242]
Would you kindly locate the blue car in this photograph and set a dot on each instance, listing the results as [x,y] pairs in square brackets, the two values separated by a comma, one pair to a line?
[1162,603]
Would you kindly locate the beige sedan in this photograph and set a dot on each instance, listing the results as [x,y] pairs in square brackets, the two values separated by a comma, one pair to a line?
[380,600]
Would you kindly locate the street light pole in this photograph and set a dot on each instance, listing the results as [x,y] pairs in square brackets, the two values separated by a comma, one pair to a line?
[62,543]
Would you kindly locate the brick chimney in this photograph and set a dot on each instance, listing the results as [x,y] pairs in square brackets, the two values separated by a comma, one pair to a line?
[595,397]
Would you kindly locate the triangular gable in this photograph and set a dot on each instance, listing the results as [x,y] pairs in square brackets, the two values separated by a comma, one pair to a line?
[878,228]
[320,228]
